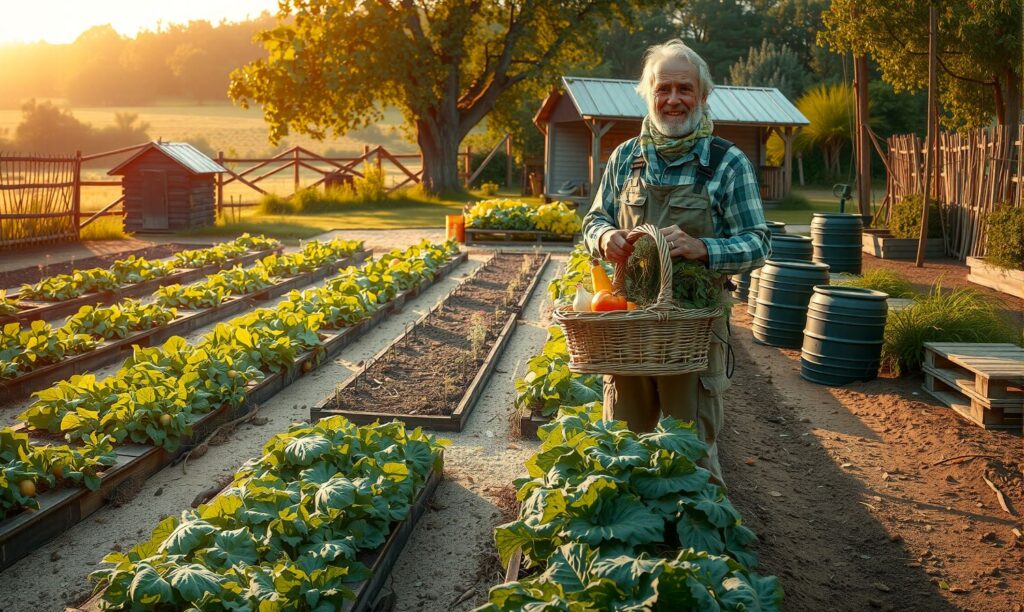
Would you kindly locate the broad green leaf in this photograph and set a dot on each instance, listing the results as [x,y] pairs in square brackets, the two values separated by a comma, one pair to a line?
[625,519]
[569,566]
[305,450]
[695,532]
[148,588]
[188,536]
[234,547]
[193,580]
[337,493]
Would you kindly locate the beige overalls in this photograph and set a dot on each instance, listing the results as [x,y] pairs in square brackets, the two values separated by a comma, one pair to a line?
[698,396]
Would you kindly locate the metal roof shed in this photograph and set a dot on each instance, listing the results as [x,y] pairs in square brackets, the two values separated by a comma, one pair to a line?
[168,186]
[588,118]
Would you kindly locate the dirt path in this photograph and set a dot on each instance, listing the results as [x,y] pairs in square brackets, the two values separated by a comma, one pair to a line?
[840,484]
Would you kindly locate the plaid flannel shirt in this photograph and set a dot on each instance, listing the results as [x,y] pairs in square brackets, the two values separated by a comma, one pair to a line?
[743,240]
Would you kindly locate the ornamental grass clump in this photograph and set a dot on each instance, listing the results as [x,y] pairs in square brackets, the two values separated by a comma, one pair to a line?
[961,315]
[887,281]
[1004,243]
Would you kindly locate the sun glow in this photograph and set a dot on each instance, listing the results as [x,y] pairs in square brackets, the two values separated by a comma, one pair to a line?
[62,21]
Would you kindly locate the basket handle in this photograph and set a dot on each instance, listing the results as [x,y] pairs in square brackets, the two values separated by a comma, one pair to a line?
[665,266]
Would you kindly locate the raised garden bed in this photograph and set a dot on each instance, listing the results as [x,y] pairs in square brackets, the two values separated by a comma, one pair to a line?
[1001,279]
[882,244]
[432,375]
[61,509]
[186,321]
[33,310]
[488,236]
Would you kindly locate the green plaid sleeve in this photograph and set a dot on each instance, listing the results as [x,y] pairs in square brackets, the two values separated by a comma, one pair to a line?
[604,210]
[744,243]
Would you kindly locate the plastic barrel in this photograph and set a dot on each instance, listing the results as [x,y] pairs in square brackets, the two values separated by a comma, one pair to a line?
[743,280]
[783,291]
[791,247]
[843,335]
[836,238]
[755,277]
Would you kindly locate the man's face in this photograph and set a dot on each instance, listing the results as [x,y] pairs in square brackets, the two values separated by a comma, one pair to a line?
[676,105]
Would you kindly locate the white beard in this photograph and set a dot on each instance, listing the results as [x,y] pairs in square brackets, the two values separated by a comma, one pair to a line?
[676,128]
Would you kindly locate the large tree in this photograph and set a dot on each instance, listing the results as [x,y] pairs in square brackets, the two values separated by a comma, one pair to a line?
[333,64]
[979,54]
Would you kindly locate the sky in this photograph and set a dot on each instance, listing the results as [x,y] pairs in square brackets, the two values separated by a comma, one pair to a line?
[61,21]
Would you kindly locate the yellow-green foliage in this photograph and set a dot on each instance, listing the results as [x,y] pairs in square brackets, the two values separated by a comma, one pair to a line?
[880,279]
[1004,243]
[508,214]
[905,218]
[489,189]
[105,228]
[370,187]
[829,108]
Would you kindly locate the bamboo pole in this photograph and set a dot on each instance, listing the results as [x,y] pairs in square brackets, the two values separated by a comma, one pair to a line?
[922,239]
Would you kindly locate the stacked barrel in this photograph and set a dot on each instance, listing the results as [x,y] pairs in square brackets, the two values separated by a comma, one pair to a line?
[783,291]
[842,340]
[743,281]
[836,239]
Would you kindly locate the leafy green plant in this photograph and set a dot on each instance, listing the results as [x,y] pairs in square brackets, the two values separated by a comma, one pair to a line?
[8,306]
[24,349]
[66,286]
[371,186]
[489,188]
[960,315]
[693,284]
[1004,238]
[562,289]
[549,384]
[119,320]
[136,269]
[905,218]
[287,530]
[880,279]
[193,297]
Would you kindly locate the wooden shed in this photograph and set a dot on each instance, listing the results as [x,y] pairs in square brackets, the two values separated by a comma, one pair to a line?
[168,186]
[584,121]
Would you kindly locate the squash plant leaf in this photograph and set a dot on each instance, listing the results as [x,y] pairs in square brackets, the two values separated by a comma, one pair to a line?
[625,519]
[148,588]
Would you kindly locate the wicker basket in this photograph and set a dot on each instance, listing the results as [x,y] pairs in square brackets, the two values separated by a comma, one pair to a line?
[659,340]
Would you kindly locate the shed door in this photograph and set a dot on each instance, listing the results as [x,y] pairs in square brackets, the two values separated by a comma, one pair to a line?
[154,200]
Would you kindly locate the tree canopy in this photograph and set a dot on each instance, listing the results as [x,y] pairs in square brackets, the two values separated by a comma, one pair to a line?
[979,51]
[332,64]
[771,66]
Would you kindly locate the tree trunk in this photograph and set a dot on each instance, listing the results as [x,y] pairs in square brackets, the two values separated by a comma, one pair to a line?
[440,149]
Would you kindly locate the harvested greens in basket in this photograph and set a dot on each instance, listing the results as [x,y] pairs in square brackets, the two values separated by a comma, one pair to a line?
[693,285]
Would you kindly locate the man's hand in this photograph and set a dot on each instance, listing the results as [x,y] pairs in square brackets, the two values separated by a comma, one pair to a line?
[684,245]
[615,247]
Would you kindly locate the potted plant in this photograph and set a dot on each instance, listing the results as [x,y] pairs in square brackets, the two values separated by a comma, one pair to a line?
[899,239]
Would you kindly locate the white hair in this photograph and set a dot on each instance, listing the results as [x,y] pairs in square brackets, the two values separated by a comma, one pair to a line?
[678,49]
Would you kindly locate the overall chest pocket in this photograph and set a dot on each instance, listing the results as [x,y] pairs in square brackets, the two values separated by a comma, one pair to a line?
[632,210]
[691,212]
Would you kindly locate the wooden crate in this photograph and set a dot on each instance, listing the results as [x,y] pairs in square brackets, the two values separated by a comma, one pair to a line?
[984,383]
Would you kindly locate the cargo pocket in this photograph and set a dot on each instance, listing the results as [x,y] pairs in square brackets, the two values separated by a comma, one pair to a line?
[711,402]
[634,213]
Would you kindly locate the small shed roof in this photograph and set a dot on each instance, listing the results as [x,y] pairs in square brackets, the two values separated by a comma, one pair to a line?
[618,99]
[189,157]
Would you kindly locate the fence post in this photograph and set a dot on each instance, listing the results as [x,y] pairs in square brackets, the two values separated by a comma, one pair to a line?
[220,185]
[467,166]
[379,158]
[508,163]
[295,157]
[77,195]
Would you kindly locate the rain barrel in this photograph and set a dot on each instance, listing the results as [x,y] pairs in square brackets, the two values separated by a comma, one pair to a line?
[791,247]
[837,241]
[743,280]
[783,291]
[843,335]
[755,277]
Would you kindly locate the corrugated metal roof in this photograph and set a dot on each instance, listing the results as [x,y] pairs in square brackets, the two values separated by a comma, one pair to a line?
[191,158]
[726,104]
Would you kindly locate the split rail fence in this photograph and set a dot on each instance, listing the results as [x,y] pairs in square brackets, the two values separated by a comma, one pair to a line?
[977,171]
[41,196]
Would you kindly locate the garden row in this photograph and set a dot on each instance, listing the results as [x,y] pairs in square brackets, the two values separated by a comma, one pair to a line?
[37,354]
[515,220]
[161,395]
[59,295]
[612,519]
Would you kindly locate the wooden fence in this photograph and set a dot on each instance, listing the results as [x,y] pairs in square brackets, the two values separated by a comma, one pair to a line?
[977,170]
[41,196]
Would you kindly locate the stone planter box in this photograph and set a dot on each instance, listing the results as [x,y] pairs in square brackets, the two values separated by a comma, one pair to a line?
[994,277]
[881,243]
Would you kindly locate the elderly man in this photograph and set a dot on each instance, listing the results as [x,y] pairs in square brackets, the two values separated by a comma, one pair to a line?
[702,192]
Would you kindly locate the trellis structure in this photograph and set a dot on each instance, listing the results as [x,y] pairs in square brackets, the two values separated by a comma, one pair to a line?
[977,170]
[39,199]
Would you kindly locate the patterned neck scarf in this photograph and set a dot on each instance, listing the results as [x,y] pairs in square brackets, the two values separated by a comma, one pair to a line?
[669,147]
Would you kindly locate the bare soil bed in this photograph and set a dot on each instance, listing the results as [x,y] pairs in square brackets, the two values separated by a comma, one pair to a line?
[32,274]
[429,370]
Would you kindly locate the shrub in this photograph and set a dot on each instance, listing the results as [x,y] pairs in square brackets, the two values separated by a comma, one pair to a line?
[370,187]
[794,201]
[961,315]
[489,189]
[1004,241]
[905,218]
[880,279]
[272,204]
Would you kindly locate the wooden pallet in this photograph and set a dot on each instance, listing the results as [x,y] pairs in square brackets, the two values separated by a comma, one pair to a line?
[490,236]
[984,383]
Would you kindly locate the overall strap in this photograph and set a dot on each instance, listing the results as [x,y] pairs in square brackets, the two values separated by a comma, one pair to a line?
[719,147]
